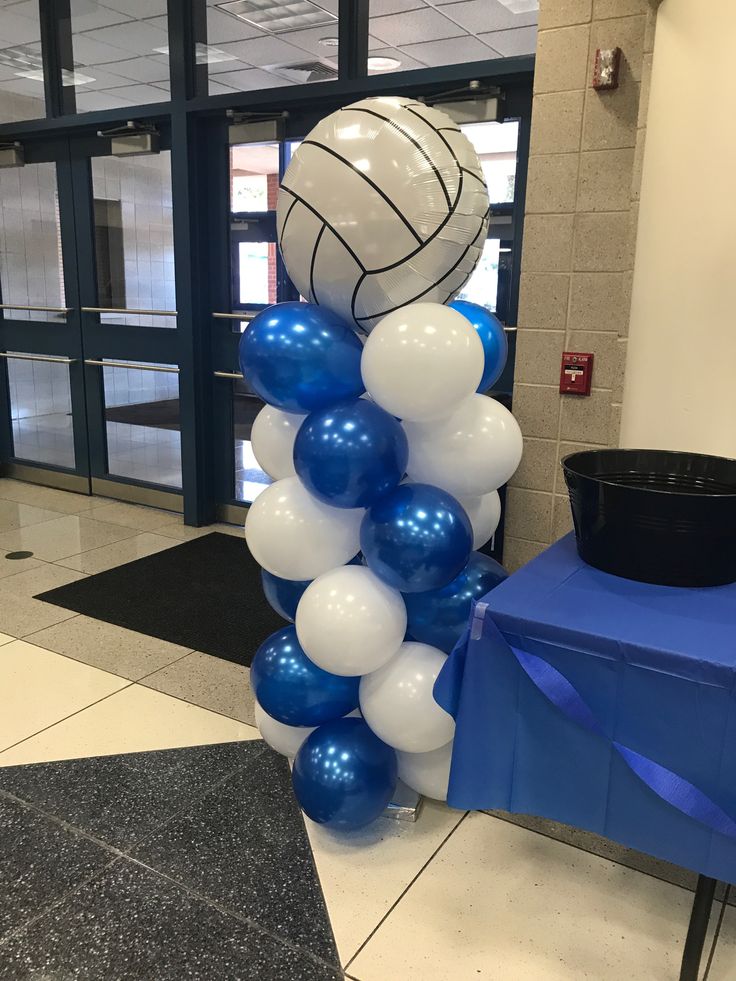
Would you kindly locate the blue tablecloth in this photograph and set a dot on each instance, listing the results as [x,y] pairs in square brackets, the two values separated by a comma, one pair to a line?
[653,666]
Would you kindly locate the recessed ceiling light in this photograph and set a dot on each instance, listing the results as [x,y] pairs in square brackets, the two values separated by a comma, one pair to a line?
[329,42]
[277,17]
[378,64]
[206,54]
[67,77]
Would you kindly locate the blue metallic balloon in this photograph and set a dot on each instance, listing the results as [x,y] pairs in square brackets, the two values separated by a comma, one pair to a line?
[439,616]
[344,775]
[350,454]
[493,337]
[416,538]
[300,357]
[283,594]
[292,689]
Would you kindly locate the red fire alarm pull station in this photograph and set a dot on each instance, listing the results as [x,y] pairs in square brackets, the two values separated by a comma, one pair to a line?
[576,373]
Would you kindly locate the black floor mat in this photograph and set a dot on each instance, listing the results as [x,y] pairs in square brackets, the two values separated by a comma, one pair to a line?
[204,595]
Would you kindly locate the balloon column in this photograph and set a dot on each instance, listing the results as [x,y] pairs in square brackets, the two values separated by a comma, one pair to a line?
[386,457]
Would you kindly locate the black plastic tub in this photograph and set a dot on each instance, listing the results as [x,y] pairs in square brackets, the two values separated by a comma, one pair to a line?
[655,515]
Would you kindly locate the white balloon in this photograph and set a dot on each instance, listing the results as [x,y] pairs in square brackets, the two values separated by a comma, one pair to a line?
[473,451]
[484,513]
[272,441]
[349,622]
[284,739]
[427,773]
[398,704]
[383,203]
[421,361]
[294,536]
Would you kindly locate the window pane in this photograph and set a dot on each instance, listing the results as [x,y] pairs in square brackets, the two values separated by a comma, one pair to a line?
[120,59]
[142,423]
[134,237]
[495,144]
[428,36]
[30,242]
[257,272]
[250,480]
[482,287]
[261,44]
[41,411]
[254,177]
[21,69]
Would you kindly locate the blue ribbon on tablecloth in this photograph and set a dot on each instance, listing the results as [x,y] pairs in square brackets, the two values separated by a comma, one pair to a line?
[666,784]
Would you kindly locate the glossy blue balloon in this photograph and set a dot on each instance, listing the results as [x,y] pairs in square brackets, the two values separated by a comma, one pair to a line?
[493,337]
[416,538]
[283,594]
[292,689]
[300,357]
[350,454]
[344,775]
[439,616]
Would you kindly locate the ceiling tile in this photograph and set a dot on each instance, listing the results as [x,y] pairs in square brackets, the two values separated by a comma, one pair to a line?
[407,62]
[137,8]
[381,8]
[219,67]
[90,52]
[216,88]
[264,51]
[88,15]
[481,16]
[92,101]
[136,36]
[452,51]
[310,41]
[140,94]
[103,79]
[331,5]
[252,79]
[224,27]
[155,69]
[414,25]
[518,41]
[18,30]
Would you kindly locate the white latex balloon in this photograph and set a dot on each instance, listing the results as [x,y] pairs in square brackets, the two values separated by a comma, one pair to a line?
[421,361]
[382,204]
[294,536]
[272,440]
[427,773]
[398,704]
[484,513]
[284,739]
[349,622]
[473,451]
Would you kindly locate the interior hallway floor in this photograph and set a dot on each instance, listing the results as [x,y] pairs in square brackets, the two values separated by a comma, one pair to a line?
[134,863]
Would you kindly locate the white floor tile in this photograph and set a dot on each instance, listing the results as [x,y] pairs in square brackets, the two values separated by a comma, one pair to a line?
[186,533]
[14,515]
[44,497]
[134,515]
[208,681]
[20,613]
[501,902]
[39,688]
[132,721]
[364,873]
[64,536]
[11,567]
[6,638]
[118,553]
[723,967]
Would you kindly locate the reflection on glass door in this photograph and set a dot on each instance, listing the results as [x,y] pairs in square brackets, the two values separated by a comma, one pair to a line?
[41,409]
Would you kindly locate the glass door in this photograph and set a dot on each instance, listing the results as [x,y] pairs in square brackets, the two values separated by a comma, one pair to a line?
[125,243]
[43,428]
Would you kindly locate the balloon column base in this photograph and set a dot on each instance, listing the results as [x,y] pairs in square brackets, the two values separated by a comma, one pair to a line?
[405,804]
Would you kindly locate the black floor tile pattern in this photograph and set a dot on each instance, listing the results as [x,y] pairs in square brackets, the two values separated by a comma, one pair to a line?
[204,595]
[189,863]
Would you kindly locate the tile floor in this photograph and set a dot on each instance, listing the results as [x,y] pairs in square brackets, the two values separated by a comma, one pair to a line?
[454,896]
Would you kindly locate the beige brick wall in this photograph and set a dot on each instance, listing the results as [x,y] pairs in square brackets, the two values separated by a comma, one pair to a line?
[579,240]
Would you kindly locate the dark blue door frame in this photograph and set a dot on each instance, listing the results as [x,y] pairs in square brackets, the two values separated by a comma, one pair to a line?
[195,125]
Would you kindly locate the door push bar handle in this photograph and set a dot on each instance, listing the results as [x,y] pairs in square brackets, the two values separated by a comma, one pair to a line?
[24,306]
[147,313]
[130,364]
[246,315]
[38,357]
[227,374]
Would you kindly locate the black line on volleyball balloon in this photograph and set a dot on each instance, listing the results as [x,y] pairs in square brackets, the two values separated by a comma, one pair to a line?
[410,138]
[311,265]
[288,213]
[316,213]
[367,179]
[452,152]
[472,174]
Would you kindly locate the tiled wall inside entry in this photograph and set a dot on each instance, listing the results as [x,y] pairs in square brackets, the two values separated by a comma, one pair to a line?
[578,255]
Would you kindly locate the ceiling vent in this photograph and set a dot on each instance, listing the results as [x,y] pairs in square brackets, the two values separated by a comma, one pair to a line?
[305,71]
[275,17]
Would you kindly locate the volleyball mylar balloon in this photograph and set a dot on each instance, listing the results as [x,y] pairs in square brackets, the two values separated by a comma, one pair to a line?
[384,203]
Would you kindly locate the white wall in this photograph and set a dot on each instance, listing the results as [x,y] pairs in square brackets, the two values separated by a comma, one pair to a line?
[680,389]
